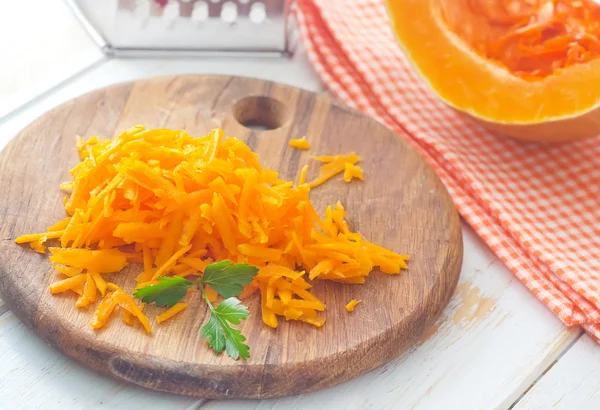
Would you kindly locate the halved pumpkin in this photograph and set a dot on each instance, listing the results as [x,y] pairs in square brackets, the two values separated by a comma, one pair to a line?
[529,69]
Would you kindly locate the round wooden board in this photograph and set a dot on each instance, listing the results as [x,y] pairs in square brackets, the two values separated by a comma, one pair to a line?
[402,205]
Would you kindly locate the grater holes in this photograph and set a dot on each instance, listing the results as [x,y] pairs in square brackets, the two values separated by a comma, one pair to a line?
[258,13]
[142,9]
[171,11]
[200,12]
[229,12]
[260,113]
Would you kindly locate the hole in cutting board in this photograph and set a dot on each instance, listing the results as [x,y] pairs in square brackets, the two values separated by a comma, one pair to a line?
[260,113]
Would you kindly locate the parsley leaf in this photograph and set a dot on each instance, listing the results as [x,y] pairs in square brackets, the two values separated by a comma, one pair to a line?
[221,335]
[166,293]
[226,279]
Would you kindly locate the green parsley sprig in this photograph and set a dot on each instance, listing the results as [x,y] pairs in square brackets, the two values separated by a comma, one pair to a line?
[228,281]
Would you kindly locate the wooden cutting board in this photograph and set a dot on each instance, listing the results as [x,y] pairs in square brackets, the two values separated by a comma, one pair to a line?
[402,205]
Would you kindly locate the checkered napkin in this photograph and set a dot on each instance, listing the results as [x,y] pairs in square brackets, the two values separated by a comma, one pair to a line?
[536,206]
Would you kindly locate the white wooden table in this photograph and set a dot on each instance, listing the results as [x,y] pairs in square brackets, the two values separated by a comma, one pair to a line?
[496,346]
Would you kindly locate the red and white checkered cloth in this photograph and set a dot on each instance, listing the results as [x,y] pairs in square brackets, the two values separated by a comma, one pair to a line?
[536,206]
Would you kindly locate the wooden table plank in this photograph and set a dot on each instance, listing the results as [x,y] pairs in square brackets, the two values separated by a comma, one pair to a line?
[493,341]
[572,383]
[42,45]
[35,375]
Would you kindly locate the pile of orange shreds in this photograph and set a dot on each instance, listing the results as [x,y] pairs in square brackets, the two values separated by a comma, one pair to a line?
[176,204]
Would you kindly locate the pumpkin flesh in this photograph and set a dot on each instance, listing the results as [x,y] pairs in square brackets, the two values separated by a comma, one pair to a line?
[513,65]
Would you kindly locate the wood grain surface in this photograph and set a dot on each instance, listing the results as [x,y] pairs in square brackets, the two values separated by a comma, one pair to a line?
[401,205]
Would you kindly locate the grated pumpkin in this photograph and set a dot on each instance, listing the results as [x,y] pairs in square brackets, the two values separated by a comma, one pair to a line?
[351,305]
[300,143]
[175,204]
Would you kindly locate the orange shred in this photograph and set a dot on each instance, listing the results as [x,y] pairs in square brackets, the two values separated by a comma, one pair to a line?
[332,167]
[68,284]
[172,311]
[248,291]
[100,283]
[38,245]
[174,204]
[101,261]
[300,143]
[36,241]
[211,294]
[148,272]
[303,173]
[170,262]
[37,236]
[69,271]
[128,318]
[89,293]
[352,171]
[323,158]
[128,303]
[103,311]
[60,225]
[352,304]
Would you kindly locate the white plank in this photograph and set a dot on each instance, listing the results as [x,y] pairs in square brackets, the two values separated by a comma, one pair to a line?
[41,44]
[493,341]
[35,376]
[572,383]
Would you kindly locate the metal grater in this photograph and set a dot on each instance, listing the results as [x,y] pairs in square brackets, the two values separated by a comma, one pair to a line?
[188,27]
